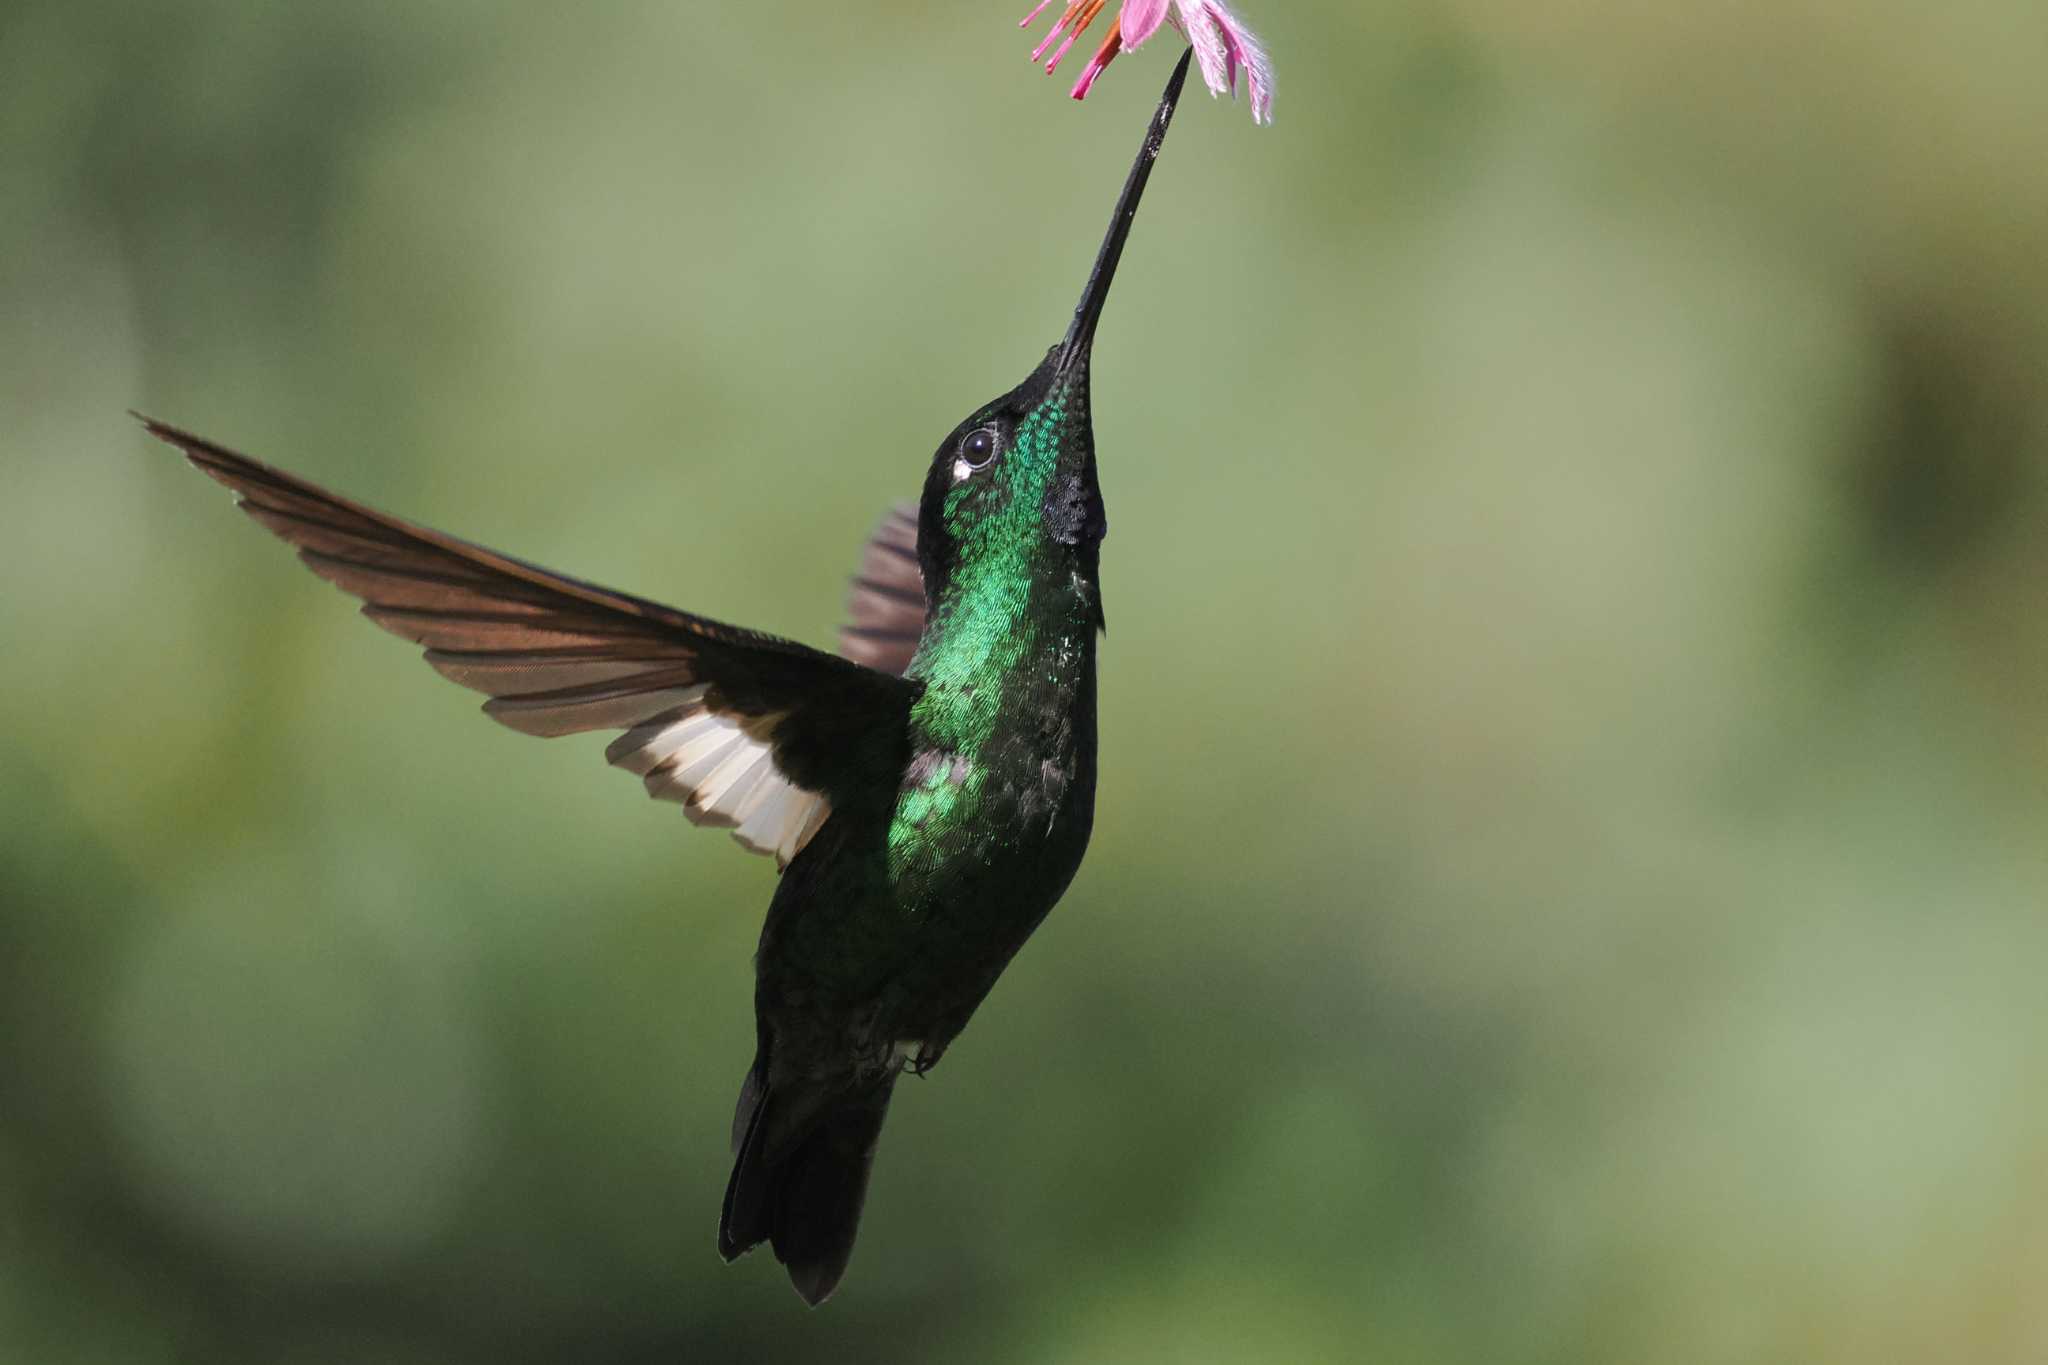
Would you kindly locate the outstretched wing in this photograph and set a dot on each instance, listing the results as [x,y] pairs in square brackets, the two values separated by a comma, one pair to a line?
[748,731]
[885,608]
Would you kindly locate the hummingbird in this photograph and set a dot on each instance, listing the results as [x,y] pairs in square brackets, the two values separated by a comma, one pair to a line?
[927,793]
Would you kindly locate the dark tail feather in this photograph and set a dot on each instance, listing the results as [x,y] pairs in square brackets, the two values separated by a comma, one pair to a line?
[801,1177]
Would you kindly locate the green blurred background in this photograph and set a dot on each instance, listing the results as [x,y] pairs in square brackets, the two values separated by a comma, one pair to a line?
[1570,877]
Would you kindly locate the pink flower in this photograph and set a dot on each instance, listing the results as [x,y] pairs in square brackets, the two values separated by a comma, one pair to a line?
[1223,45]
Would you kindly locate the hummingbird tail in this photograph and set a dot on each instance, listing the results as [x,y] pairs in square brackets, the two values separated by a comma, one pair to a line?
[802,1175]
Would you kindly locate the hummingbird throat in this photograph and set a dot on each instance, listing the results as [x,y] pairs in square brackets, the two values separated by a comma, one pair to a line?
[1012,590]
[1012,633]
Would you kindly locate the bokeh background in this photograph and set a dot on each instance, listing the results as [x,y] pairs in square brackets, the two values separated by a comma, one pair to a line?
[1571,881]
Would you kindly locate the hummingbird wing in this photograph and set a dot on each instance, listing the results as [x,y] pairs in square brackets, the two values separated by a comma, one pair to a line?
[885,608]
[747,731]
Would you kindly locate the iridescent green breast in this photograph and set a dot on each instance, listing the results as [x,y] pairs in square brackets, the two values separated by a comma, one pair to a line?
[1004,660]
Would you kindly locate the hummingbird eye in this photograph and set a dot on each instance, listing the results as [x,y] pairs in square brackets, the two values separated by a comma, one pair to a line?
[978,447]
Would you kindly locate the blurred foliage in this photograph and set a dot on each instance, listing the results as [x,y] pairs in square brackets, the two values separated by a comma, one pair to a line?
[1573,844]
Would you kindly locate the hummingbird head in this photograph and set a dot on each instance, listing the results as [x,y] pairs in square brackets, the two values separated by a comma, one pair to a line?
[1015,482]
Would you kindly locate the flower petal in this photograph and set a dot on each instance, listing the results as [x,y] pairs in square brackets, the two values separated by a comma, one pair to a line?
[1140,19]
[1207,40]
[1222,46]
[1244,50]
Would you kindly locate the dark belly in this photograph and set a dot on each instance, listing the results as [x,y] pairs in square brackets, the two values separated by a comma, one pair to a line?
[961,934]
[884,933]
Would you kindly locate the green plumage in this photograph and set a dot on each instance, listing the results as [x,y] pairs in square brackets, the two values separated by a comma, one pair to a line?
[890,929]
[1007,642]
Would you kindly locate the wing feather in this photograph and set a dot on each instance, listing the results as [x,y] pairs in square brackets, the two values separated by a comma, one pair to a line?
[885,608]
[748,731]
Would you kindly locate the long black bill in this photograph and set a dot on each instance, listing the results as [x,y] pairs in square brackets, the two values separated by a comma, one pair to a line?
[1081,335]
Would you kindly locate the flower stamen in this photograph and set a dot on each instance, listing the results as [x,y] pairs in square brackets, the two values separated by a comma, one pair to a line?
[1104,55]
[1078,15]
[1058,24]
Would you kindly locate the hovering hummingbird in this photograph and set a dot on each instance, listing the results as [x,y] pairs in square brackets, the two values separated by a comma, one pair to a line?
[927,796]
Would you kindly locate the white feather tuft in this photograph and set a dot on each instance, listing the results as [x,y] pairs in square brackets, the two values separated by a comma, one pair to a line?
[722,776]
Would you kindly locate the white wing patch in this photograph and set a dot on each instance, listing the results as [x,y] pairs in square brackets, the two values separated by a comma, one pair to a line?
[723,776]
